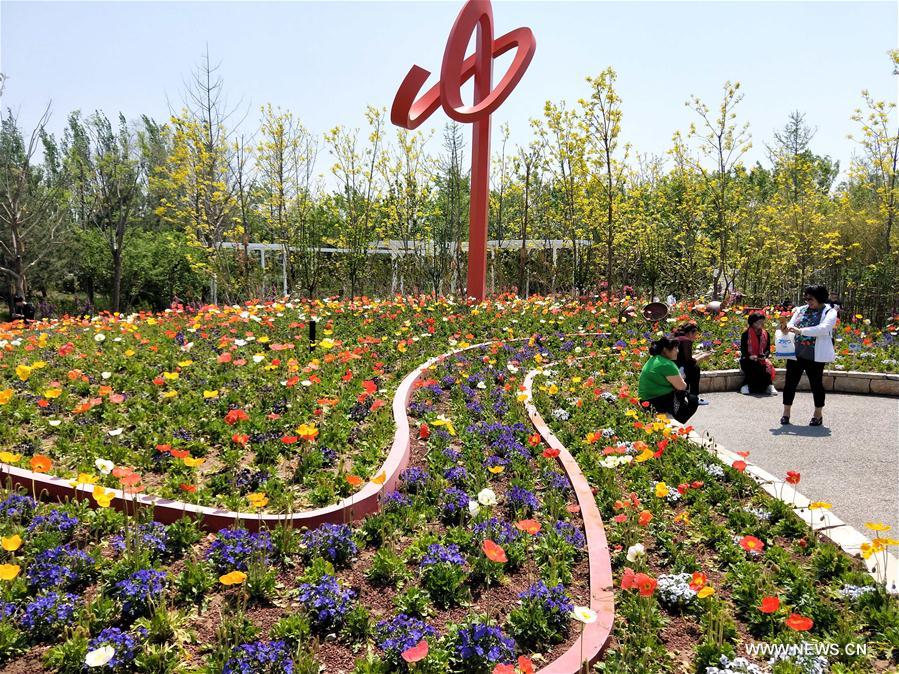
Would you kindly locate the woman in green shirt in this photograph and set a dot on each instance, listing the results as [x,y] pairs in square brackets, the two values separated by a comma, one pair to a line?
[661,384]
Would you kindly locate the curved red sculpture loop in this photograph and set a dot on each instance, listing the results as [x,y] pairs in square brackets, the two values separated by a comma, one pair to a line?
[410,112]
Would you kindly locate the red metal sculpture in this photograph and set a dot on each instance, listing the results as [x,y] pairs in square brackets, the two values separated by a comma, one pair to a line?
[456,69]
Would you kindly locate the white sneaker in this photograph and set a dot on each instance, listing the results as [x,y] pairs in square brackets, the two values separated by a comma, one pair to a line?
[703,401]
[744,390]
[771,390]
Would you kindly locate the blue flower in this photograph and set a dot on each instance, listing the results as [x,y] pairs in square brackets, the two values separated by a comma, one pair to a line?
[260,657]
[480,644]
[326,602]
[48,614]
[125,645]
[64,566]
[401,633]
[233,549]
[151,537]
[55,520]
[139,591]
[333,541]
[17,507]
[442,554]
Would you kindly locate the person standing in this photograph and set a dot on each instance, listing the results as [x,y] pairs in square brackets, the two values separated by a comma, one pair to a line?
[813,324]
[661,384]
[23,310]
[755,349]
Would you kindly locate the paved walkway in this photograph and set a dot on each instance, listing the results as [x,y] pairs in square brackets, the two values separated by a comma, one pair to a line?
[852,461]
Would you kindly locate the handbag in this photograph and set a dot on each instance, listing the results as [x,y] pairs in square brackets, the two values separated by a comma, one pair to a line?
[784,345]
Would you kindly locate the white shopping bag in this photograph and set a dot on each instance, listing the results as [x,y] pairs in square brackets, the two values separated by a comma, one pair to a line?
[784,345]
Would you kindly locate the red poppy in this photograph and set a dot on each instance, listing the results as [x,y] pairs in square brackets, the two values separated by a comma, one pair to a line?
[494,552]
[225,357]
[620,519]
[376,405]
[240,438]
[504,669]
[165,449]
[751,544]
[424,432]
[646,585]
[645,518]
[739,466]
[534,439]
[745,455]
[697,484]
[369,386]
[130,480]
[550,453]
[234,416]
[628,579]
[121,471]
[179,453]
[531,527]
[43,403]
[189,488]
[416,653]
[769,605]
[792,477]
[798,622]
[289,439]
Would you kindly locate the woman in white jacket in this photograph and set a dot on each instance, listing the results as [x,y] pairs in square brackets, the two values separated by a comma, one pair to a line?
[813,325]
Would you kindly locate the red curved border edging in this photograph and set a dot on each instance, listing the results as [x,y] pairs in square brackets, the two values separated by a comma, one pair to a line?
[595,636]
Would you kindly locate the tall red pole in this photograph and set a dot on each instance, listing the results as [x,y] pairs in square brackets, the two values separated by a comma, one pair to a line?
[455,70]
[479,207]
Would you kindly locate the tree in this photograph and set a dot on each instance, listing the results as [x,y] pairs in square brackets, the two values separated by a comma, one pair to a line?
[722,142]
[878,168]
[32,215]
[356,170]
[105,173]
[602,119]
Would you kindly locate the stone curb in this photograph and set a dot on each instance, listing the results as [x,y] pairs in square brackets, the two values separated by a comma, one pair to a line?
[835,381]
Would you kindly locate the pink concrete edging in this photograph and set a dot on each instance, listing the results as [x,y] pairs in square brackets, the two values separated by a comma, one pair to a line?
[364,502]
[590,645]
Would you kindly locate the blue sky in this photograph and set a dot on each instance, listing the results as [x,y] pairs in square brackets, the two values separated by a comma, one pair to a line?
[326,61]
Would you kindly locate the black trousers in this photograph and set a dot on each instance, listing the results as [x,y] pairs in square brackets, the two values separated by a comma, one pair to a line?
[757,377]
[678,404]
[815,372]
[691,377]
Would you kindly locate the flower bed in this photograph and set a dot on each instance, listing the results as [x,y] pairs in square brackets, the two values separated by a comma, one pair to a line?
[475,563]
[706,563]
[214,407]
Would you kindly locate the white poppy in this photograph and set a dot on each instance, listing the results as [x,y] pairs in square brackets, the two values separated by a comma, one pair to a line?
[487,497]
[99,657]
[55,422]
[116,432]
[239,342]
[106,375]
[473,508]
[258,358]
[105,466]
[99,337]
[584,614]
[635,551]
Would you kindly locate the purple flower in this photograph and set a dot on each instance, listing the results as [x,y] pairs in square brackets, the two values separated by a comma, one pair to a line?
[394,502]
[521,502]
[260,657]
[64,566]
[399,634]
[139,591]
[333,541]
[326,602]
[414,479]
[442,554]
[55,520]
[454,504]
[233,549]
[151,537]
[479,645]
[17,507]
[125,645]
[456,475]
[48,614]
[499,531]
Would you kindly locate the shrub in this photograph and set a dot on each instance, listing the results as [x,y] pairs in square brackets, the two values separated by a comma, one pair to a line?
[444,575]
[543,617]
[326,603]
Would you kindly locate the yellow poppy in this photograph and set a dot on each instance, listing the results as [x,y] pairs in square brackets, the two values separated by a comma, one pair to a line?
[9,571]
[5,396]
[11,543]
[192,462]
[496,470]
[705,592]
[23,372]
[52,393]
[878,526]
[661,489]
[257,500]
[380,478]
[819,505]
[233,578]
[210,394]
[9,457]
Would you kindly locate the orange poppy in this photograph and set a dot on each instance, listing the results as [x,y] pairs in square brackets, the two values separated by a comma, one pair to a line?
[41,463]
[494,552]
[644,518]
[739,466]
[697,581]
[353,480]
[531,527]
[550,453]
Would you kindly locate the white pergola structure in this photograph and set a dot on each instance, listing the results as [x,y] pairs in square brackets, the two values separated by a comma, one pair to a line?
[395,248]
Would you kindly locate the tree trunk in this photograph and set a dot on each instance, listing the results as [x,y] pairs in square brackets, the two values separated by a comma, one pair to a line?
[116,279]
